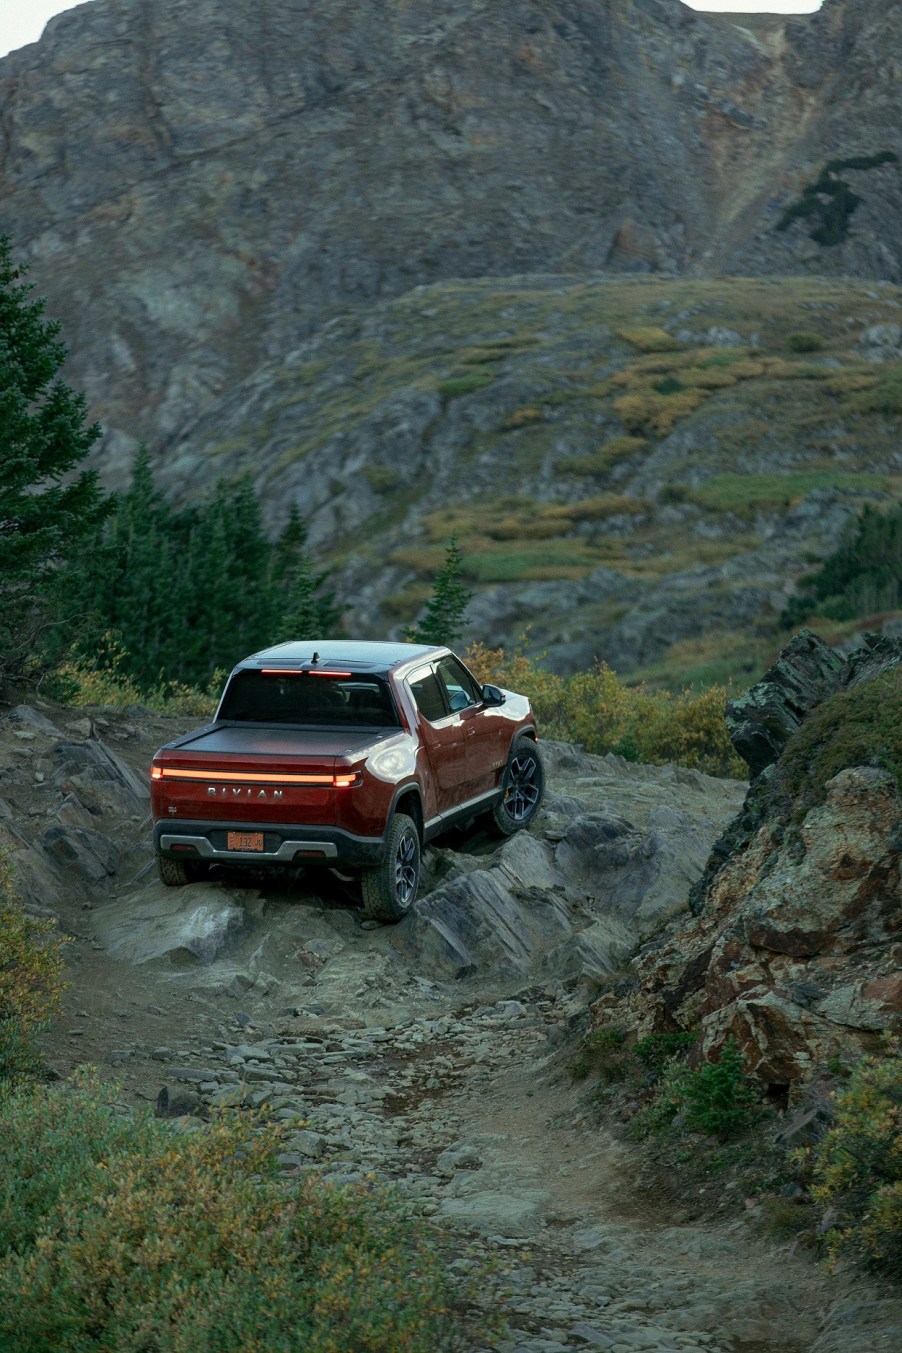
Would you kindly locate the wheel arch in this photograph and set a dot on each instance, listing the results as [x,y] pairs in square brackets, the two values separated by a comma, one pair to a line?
[407,800]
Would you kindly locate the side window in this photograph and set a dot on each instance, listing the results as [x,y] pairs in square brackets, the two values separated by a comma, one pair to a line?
[427,693]
[460,688]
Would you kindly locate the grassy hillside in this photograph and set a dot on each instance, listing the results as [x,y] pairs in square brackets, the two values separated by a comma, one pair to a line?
[719,430]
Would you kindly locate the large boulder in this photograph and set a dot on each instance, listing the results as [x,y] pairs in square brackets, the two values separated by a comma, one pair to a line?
[796,955]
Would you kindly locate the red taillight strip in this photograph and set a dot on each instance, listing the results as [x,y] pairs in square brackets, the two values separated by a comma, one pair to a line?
[243,777]
[344,781]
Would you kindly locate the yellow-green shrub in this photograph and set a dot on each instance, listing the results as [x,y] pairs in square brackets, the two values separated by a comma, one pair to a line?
[103,681]
[858,1166]
[31,977]
[645,410]
[649,338]
[130,1237]
[602,713]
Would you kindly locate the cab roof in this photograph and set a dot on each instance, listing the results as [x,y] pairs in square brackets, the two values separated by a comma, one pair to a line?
[356,654]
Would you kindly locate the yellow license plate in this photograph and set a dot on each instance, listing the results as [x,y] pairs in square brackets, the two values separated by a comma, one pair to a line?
[245,841]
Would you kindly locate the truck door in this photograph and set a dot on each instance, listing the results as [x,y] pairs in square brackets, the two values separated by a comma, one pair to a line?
[440,733]
[483,730]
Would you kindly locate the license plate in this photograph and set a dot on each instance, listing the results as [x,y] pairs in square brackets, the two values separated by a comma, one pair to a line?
[245,841]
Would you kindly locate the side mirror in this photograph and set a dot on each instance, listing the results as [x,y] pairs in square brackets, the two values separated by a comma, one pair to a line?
[493,695]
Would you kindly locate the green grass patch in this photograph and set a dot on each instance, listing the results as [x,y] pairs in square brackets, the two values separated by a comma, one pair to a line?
[467,384]
[745,495]
[599,463]
[531,563]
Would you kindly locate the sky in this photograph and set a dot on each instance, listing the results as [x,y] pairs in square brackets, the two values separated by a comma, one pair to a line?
[22,21]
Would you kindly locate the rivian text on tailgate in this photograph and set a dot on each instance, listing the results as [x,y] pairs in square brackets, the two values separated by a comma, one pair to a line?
[344,755]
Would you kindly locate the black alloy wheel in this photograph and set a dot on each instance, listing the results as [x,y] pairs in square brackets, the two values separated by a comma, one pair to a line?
[523,786]
[389,889]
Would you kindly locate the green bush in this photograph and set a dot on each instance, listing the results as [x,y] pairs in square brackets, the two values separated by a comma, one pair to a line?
[605,1055]
[656,1050]
[31,978]
[719,1098]
[466,384]
[716,1098]
[857,1166]
[120,1234]
[860,578]
[804,340]
[858,727]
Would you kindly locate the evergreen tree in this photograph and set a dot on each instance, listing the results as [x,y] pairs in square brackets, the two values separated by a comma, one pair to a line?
[48,517]
[303,610]
[443,618]
[182,592]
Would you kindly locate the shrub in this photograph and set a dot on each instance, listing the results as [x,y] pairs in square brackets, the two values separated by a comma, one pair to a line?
[605,1055]
[885,397]
[602,713]
[600,462]
[860,578]
[656,1050]
[380,478]
[804,340]
[858,727]
[130,1237]
[718,1096]
[649,338]
[103,680]
[857,1166]
[466,384]
[31,978]
[648,411]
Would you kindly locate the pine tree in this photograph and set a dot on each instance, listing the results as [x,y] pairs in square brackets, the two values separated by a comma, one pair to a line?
[302,609]
[443,618]
[47,515]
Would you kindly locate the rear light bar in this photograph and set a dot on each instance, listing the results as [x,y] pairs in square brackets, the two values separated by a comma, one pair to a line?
[340,780]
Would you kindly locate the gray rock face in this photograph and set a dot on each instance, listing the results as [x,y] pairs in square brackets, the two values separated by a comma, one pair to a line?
[762,720]
[198,186]
[570,898]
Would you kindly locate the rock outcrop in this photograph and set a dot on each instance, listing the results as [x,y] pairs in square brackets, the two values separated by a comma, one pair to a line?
[795,952]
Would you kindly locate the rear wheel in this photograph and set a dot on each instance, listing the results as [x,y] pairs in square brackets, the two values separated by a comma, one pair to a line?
[522,788]
[176,873]
[390,888]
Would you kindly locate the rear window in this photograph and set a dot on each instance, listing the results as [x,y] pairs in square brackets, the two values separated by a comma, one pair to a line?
[297,698]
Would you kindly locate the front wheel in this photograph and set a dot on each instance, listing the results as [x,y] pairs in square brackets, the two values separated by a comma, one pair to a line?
[521,788]
[390,888]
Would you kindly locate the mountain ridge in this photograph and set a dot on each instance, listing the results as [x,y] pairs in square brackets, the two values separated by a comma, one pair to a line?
[198,187]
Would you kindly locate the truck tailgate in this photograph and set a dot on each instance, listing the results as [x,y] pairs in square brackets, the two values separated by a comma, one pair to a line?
[258,773]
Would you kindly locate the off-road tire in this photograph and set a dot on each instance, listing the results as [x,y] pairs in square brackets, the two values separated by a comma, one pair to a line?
[522,786]
[176,873]
[389,889]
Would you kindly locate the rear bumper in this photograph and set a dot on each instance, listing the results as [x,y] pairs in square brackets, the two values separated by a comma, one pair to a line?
[283,843]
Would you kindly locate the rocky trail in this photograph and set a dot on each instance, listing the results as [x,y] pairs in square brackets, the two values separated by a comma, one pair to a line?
[435,1055]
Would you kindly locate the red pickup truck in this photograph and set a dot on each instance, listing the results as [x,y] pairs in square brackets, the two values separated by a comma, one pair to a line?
[346,755]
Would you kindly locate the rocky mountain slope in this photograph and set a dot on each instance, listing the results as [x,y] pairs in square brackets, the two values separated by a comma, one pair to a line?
[372,255]
[200,186]
[628,465]
[795,951]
